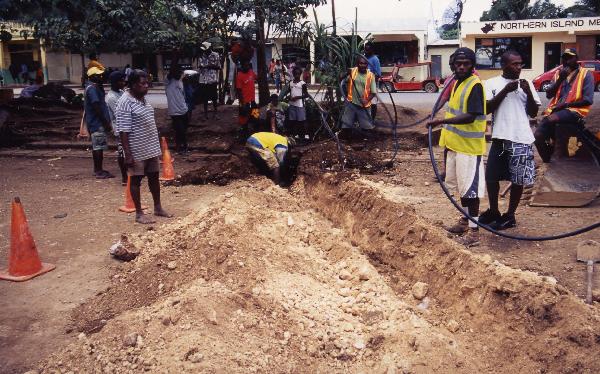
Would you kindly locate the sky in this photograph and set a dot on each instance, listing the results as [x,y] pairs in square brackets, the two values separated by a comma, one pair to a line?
[374,9]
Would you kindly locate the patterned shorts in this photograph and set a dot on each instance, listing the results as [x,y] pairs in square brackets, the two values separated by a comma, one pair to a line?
[99,141]
[510,161]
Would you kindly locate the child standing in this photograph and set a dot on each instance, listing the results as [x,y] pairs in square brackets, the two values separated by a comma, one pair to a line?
[296,111]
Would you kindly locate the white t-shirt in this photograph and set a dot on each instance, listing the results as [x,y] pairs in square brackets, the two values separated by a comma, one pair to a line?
[510,121]
[296,90]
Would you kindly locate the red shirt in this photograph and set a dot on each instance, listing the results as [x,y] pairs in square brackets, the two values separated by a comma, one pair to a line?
[245,83]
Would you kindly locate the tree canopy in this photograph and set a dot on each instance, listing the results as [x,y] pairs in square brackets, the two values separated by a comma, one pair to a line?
[504,10]
[85,26]
[584,8]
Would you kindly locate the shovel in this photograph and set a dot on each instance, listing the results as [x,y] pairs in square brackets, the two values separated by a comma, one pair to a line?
[589,252]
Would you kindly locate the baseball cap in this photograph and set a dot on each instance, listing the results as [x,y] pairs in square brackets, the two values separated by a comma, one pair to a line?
[205,46]
[94,71]
[115,76]
[569,52]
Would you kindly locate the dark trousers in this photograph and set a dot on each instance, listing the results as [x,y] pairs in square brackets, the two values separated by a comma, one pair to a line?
[180,125]
[373,111]
[546,130]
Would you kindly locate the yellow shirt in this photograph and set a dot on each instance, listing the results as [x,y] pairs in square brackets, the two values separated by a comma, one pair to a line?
[268,140]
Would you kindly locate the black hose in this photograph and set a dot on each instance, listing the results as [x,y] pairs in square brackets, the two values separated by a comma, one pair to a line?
[329,131]
[582,230]
[394,122]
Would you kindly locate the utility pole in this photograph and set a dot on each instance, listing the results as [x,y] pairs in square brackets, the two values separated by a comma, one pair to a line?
[333,17]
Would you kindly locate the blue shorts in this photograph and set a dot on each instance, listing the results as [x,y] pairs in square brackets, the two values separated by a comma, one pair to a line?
[296,113]
[354,113]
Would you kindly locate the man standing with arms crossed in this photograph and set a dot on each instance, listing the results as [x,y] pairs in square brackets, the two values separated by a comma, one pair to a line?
[209,66]
[464,137]
[139,136]
[511,101]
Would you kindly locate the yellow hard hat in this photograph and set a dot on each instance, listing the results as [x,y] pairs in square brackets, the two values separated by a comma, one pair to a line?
[94,71]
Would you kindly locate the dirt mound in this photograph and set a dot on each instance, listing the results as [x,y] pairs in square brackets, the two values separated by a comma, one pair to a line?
[522,320]
[259,280]
[256,281]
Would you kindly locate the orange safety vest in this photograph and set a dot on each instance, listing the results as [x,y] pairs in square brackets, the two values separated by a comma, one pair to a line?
[575,94]
[368,81]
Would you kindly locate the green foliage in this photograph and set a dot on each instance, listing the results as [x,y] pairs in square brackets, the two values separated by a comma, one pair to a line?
[584,8]
[86,26]
[449,34]
[504,10]
[336,54]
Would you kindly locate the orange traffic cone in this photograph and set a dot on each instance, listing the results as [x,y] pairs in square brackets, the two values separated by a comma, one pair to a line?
[129,206]
[168,173]
[83,132]
[23,259]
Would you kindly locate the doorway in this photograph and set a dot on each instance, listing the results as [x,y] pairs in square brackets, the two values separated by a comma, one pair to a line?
[552,52]
[145,61]
[436,66]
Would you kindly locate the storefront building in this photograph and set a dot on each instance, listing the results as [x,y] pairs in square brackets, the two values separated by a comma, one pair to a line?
[20,57]
[540,42]
[439,52]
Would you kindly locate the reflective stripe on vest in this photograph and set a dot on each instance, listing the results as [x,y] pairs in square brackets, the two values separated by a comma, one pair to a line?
[367,90]
[457,112]
[575,94]
[465,134]
[468,138]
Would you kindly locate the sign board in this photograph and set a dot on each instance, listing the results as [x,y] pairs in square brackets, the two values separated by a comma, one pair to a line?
[570,25]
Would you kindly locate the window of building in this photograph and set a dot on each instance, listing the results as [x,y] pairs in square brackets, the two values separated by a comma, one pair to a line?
[488,51]
[294,53]
[392,53]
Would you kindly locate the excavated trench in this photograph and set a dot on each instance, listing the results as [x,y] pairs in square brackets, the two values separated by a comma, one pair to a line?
[326,276]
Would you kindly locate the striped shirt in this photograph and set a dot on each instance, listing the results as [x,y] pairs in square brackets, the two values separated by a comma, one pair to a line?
[137,119]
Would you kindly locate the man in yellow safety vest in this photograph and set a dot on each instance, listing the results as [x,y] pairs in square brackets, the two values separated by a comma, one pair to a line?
[360,87]
[571,96]
[463,135]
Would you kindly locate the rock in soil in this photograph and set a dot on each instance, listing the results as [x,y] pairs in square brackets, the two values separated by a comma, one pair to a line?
[419,290]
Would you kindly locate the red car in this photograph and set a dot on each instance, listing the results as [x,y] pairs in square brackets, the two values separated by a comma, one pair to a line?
[402,78]
[543,81]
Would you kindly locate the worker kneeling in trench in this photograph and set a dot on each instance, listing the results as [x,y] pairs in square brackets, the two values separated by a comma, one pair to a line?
[271,154]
